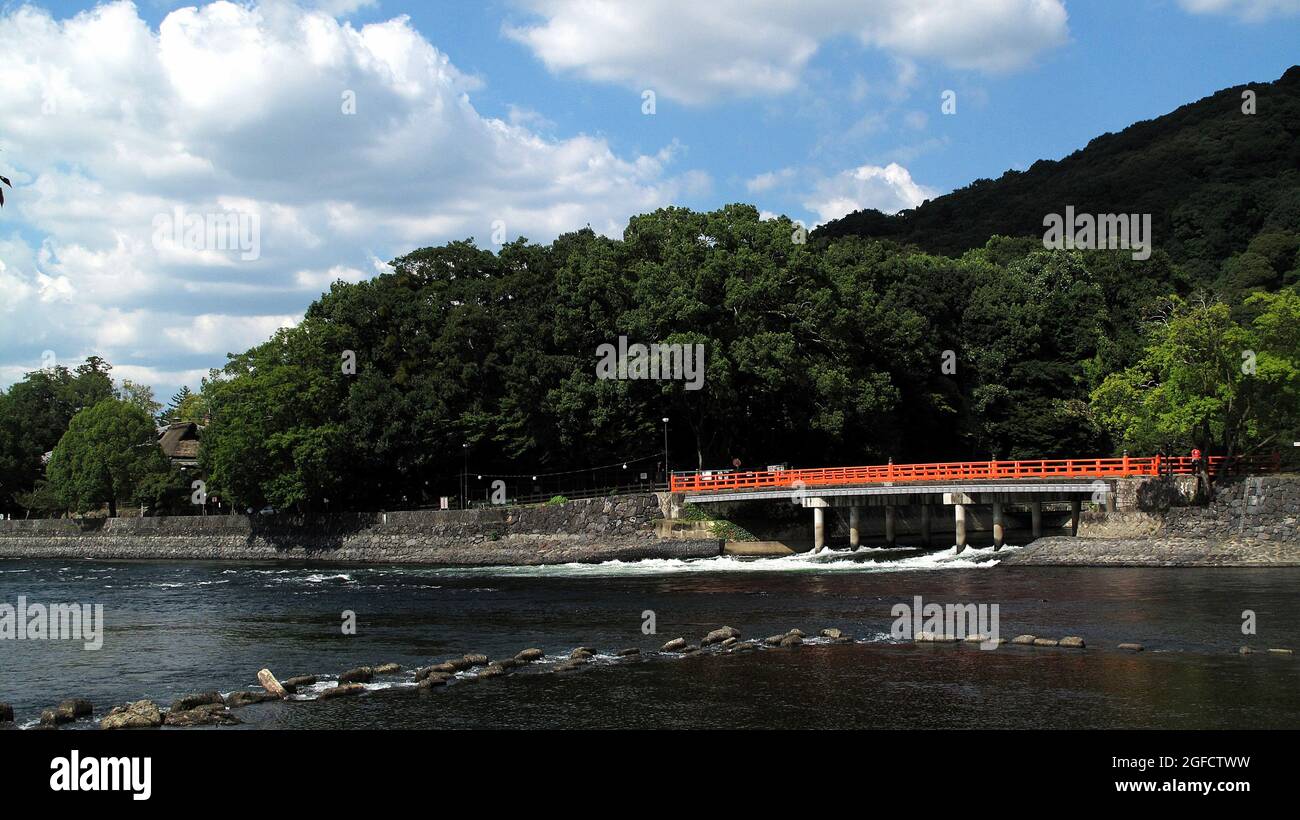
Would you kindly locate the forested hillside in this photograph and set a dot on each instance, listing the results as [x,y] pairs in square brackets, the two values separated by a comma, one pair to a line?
[1222,186]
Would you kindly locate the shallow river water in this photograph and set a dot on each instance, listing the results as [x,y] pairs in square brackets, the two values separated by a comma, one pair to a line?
[175,628]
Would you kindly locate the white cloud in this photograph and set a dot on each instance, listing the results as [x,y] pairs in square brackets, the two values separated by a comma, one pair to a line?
[697,52]
[319,281]
[1252,11]
[765,182]
[201,334]
[239,110]
[889,189]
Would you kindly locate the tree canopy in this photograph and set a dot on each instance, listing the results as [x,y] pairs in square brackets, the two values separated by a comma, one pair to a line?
[826,352]
[108,454]
[34,414]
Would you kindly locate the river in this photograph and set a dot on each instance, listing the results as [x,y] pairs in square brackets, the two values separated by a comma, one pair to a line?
[173,628]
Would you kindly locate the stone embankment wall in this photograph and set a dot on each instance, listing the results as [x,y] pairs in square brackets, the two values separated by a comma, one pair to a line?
[1253,521]
[592,530]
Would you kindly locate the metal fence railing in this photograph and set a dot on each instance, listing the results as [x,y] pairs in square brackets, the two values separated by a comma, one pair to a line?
[715,480]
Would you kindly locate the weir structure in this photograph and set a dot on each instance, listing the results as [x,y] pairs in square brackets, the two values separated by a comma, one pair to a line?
[959,485]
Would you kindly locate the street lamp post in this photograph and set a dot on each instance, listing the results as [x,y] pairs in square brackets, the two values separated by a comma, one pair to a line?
[464,475]
[667,471]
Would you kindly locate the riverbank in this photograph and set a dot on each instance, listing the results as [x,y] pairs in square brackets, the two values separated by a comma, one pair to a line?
[583,531]
[1253,522]
[1063,551]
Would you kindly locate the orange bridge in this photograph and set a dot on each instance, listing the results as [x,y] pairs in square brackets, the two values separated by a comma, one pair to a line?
[909,491]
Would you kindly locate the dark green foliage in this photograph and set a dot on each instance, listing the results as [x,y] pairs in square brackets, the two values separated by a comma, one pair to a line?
[109,454]
[824,353]
[1213,178]
[34,414]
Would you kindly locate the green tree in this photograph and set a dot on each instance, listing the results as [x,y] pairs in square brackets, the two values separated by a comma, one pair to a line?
[276,435]
[1207,381]
[185,405]
[1028,332]
[34,415]
[139,395]
[108,453]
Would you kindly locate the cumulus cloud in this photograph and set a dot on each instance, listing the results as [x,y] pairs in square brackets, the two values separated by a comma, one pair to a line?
[697,52]
[764,182]
[888,188]
[338,146]
[1248,10]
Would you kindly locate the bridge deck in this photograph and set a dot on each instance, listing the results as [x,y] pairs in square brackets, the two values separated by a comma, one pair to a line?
[918,492]
[771,483]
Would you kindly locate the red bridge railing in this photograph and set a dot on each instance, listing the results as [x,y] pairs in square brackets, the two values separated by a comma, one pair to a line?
[715,480]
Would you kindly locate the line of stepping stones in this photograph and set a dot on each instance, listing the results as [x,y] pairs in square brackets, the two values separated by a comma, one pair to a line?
[211,709]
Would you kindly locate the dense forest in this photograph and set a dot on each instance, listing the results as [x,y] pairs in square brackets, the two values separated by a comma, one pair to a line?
[935,337]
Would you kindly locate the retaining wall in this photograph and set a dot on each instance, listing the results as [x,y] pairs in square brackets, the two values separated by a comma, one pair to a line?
[588,530]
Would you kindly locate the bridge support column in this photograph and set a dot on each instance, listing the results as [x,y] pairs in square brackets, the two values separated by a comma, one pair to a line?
[959,502]
[999,531]
[891,519]
[925,524]
[1074,517]
[819,529]
[1036,518]
[959,515]
[855,532]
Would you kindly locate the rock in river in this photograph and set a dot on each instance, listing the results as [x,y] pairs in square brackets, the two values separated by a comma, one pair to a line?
[1024,640]
[475,660]
[297,682]
[362,674]
[246,698]
[211,714]
[720,635]
[187,702]
[434,679]
[342,690]
[387,669]
[270,684]
[67,711]
[143,714]
[675,645]
[1072,642]
[529,655]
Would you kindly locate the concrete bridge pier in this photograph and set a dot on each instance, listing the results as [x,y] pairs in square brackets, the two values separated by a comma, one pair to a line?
[891,520]
[925,524]
[855,530]
[999,531]
[1074,516]
[819,529]
[959,502]
[1036,518]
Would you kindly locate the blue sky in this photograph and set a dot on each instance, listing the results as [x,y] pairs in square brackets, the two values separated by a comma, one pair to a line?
[525,116]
